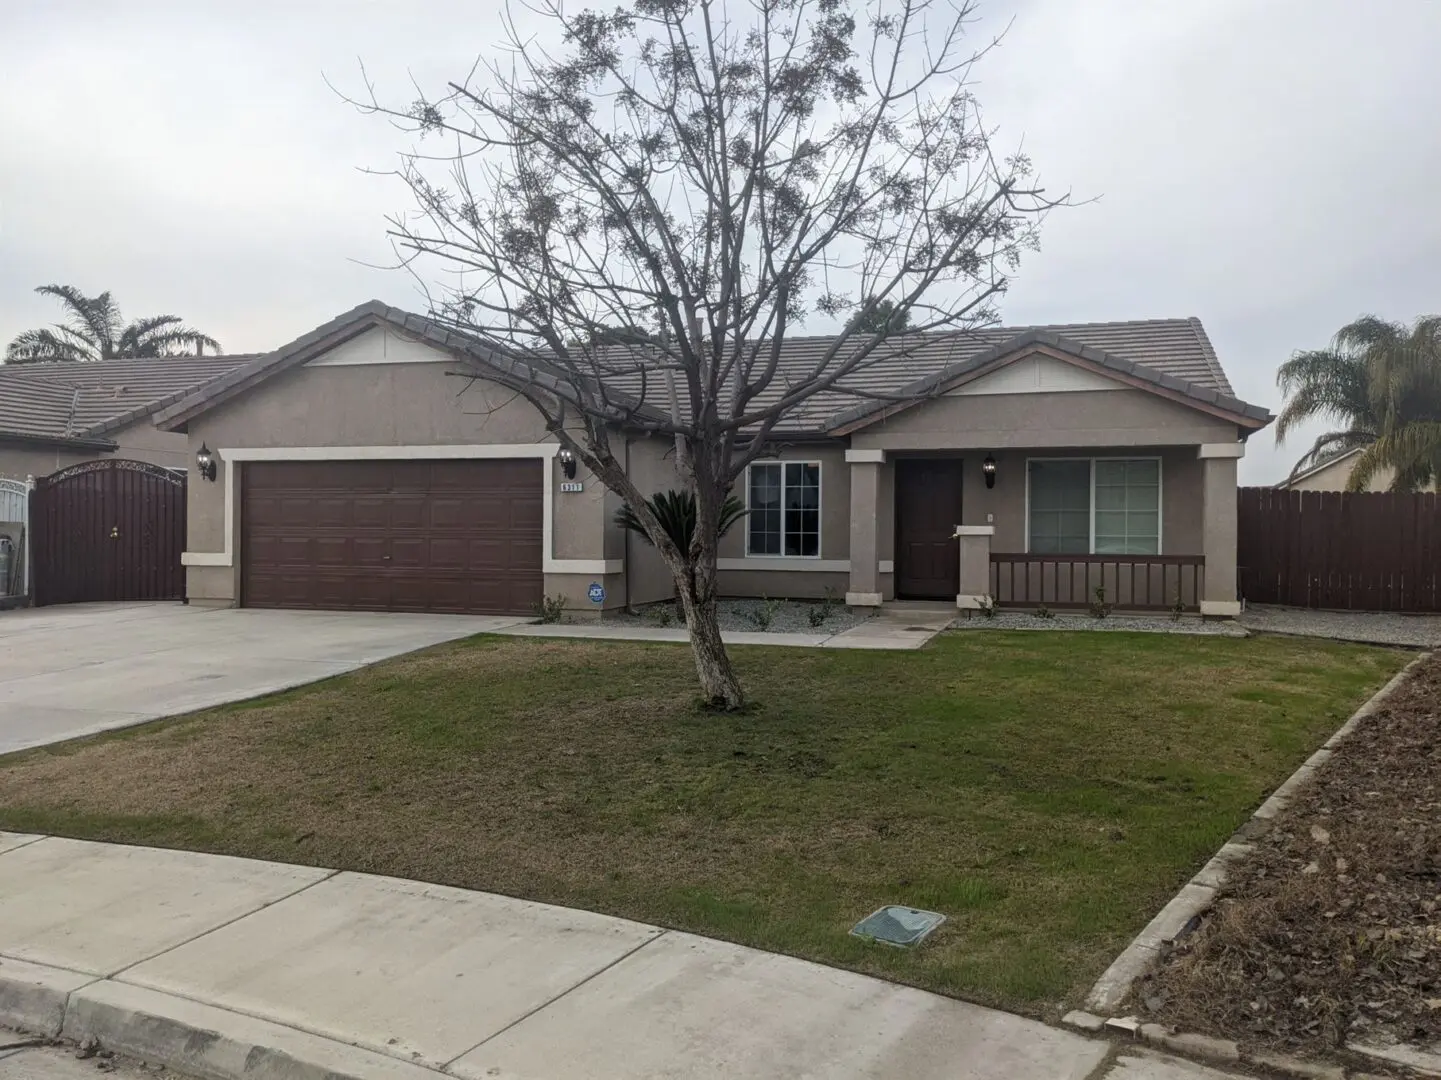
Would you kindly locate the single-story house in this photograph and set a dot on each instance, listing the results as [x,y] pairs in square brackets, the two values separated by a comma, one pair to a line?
[55,415]
[1334,474]
[371,464]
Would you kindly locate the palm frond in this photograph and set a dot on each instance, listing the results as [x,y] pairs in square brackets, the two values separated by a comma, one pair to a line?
[96,318]
[164,335]
[1330,445]
[676,511]
[1324,383]
[42,346]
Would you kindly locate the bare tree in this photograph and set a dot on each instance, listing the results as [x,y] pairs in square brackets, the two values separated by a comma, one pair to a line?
[636,214]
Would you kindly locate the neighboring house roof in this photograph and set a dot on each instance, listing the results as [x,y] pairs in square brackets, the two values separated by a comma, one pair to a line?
[79,403]
[1172,357]
[1314,469]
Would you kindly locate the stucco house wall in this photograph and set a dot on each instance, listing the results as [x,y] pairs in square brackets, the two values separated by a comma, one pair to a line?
[140,441]
[1117,418]
[365,395]
[377,383]
[1335,475]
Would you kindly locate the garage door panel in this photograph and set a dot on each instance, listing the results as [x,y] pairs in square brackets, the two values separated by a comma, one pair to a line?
[525,515]
[452,536]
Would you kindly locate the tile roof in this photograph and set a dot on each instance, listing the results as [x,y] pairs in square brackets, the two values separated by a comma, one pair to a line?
[1174,355]
[88,400]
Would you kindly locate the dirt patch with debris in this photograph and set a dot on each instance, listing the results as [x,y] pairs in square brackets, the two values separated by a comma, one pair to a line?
[1329,931]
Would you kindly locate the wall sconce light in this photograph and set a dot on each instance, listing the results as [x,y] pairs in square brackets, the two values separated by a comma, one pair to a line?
[205,460]
[989,468]
[567,464]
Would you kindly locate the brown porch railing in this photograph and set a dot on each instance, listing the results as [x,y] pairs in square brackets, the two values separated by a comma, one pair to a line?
[1131,582]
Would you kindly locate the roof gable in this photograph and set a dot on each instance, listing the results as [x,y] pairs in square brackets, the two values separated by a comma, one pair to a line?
[1126,373]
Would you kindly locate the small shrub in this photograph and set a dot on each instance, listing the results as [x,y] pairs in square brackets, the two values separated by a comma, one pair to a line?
[817,616]
[765,614]
[833,598]
[1043,612]
[1099,608]
[1178,608]
[664,615]
[987,607]
[551,609]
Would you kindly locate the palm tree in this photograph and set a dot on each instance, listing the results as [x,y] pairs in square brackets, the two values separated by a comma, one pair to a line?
[1382,382]
[94,330]
[676,511]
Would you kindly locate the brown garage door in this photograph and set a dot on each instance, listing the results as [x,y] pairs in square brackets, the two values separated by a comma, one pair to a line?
[455,536]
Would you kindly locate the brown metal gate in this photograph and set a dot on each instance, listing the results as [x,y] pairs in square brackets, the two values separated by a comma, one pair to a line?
[108,530]
[1333,549]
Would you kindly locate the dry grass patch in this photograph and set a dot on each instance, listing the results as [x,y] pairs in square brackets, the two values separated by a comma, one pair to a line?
[1046,791]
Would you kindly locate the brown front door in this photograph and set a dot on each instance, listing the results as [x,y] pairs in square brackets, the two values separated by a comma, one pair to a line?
[452,536]
[928,509]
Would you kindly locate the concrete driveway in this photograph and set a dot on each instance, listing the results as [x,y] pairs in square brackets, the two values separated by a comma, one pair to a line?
[76,669]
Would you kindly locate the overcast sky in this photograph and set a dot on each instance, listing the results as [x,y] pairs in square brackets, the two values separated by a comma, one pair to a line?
[1271,166]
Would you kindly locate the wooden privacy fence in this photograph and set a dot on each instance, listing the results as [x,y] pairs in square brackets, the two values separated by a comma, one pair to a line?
[1133,582]
[1329,549]
[108,530]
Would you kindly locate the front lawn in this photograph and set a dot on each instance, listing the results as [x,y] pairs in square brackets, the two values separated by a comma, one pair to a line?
[1046,791]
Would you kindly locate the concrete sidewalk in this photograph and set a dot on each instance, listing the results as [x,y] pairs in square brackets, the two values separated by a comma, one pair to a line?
[225,967]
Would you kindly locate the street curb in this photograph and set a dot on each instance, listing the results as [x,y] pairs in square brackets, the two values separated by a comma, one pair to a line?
[216,1044]
[33,996]
[1196,896]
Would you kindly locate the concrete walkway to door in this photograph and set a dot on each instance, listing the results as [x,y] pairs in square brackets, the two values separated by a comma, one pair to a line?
[76,669]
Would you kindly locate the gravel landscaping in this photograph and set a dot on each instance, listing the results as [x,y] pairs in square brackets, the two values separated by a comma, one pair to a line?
[1375,628]
[1329,932]
[1150,624]
[783,616]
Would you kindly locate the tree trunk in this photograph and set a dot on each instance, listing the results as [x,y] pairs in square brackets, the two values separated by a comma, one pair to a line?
[719,685]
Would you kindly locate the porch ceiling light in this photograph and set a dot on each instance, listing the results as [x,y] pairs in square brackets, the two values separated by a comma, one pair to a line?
[989,468]
[205,461]
[567,464]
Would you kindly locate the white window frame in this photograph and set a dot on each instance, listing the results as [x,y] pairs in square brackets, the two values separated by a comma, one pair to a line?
[1091,464]
[820,507]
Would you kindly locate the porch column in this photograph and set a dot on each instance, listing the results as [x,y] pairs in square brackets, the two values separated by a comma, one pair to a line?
[975,545]
[1218,527]
[864,589]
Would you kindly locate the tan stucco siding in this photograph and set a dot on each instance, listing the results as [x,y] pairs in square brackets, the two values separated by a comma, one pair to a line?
[360,403]
[835,501]
[652,467]
[143,441]
[140,441]
[372,405]
[1335,477]
[18,463]
[1087,418]
[1181,493]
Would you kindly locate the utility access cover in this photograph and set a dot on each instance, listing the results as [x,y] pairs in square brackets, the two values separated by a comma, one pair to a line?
[903,927]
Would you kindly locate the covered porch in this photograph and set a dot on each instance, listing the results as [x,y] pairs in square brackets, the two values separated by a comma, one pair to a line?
[1134,528]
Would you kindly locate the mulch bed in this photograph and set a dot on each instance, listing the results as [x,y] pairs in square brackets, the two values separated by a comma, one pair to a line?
[1330,930]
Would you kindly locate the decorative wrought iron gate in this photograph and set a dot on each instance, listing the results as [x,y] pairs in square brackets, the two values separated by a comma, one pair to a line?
[108,530]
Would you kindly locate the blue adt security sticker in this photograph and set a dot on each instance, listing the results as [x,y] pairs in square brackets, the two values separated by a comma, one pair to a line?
[596,592]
